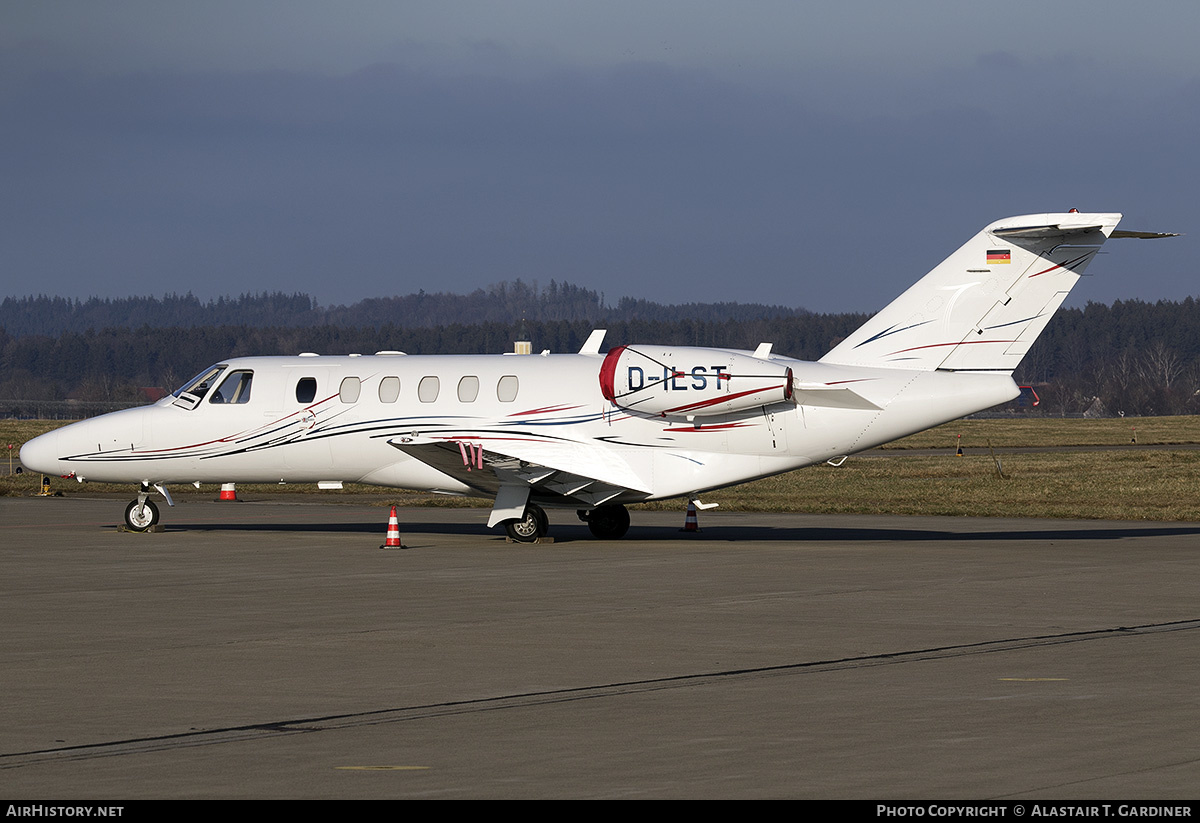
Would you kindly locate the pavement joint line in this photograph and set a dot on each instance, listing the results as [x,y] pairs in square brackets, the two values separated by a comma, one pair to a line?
[331,722]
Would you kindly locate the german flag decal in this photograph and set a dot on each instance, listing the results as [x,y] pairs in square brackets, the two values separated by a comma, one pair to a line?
[997,256]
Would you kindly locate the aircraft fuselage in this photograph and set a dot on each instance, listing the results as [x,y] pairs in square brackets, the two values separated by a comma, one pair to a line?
[313,419]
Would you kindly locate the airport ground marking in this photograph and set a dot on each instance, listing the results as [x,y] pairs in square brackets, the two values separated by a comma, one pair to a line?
[334,722]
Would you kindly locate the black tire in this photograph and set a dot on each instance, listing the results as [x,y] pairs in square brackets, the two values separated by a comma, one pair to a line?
[141,518]
[609,522]
[530,527]
[543,520]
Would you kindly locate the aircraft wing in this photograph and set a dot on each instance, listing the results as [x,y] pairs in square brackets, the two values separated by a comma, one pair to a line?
[514,469]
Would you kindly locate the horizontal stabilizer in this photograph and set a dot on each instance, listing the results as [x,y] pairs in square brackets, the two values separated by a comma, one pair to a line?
[1053,230]
[831,398]
[1141,235]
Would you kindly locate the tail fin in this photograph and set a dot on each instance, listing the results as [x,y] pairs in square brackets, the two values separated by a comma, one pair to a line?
[983,307]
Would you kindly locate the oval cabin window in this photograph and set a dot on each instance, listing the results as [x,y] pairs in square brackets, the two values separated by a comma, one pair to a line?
[468,389]
[506,389]
[427,389]
[389,389]
[351,388]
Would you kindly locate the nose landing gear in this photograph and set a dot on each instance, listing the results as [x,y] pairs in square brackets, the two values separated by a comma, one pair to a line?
[142,514]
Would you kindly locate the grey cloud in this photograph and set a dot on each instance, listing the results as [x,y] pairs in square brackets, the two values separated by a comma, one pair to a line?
[641,179]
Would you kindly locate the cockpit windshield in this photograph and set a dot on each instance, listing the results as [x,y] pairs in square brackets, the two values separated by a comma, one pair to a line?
[193,391]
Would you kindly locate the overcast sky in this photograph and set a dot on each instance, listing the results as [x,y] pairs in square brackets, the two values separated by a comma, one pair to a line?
[817,155]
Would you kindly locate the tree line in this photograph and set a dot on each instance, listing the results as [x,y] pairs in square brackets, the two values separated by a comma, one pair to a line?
[1134,357]
[500,303]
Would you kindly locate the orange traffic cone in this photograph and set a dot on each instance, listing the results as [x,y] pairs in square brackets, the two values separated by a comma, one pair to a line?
[689,523]
[228,492]
[393,533]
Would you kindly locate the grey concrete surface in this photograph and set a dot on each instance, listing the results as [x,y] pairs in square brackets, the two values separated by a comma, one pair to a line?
[272,650]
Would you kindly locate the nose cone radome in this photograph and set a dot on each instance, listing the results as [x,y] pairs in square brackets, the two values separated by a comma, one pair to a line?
[41,454]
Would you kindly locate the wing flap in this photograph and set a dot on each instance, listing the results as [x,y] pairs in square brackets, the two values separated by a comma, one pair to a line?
[587,475]
[580,460]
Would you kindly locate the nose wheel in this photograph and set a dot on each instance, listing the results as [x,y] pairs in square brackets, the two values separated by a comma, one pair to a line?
[140,515]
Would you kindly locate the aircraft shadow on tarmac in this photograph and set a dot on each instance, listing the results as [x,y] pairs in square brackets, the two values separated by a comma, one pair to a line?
[866,535]
[570,533]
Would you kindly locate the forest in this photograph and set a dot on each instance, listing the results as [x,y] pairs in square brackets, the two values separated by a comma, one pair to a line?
[1133,357]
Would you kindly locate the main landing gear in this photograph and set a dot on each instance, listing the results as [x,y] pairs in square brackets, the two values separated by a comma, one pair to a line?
[532,525]
[604,522]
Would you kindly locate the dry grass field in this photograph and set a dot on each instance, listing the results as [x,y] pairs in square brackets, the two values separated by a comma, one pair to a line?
[1041,432]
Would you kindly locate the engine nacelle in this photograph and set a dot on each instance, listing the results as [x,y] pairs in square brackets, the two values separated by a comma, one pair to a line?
[690,382]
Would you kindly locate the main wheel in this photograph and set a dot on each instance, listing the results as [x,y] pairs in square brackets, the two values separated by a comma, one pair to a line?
[608,522]
[532,525]
[141,516]
[543,520]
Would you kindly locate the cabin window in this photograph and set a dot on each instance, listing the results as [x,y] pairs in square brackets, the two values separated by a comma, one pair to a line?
[428,388]
[234,389]
[306,390]
[468,389]
[506,389]
[389,389]
[350,389]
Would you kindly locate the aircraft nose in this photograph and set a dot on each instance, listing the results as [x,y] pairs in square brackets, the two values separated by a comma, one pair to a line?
[41,454]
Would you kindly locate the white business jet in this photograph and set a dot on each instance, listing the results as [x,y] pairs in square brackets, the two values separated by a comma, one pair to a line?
[596,431]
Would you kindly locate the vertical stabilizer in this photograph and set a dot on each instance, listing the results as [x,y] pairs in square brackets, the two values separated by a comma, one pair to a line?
[983,307]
